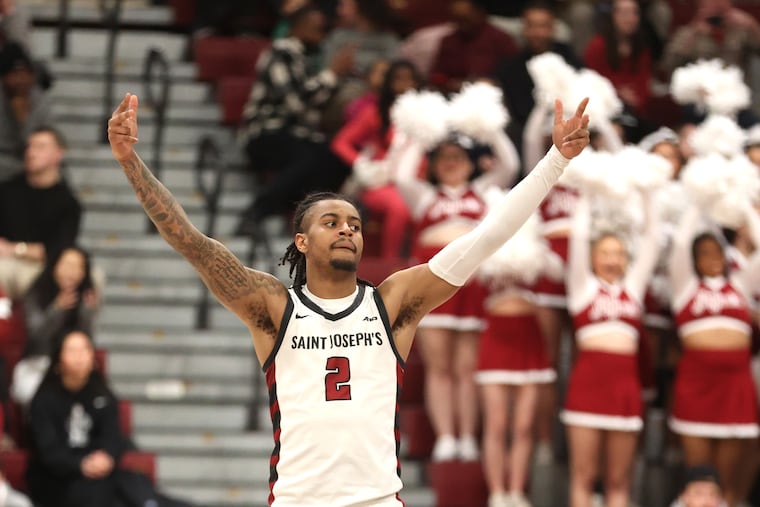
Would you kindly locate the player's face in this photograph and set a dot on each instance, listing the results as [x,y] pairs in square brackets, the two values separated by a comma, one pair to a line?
[609,259]
[452,166]
[710,260]
[701,494]
[333,235]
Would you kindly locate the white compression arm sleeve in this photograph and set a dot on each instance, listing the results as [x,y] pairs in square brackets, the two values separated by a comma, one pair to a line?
[458,260]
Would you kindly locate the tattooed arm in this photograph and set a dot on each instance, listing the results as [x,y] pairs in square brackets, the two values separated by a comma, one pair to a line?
[257,298]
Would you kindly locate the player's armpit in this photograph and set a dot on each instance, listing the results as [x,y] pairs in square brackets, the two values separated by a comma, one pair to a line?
[411,293]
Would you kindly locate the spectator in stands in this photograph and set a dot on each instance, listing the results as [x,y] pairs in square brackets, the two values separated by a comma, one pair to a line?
[286,8]
[701,488]
[717,30]
[473,50]
[621,53]
[375,78]
[75,436]
[24,106]
[15,26]
[62,297]
[283,119]
[39,213]
[366,140]
[538,22]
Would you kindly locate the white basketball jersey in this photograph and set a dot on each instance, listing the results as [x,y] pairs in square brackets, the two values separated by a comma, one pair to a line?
[334,382]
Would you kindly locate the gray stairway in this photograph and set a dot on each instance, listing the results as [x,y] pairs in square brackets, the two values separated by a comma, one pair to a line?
[192,390]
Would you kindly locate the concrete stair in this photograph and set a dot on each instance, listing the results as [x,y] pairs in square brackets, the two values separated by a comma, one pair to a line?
[193,391]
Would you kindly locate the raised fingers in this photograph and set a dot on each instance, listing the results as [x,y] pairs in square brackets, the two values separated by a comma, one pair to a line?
[124,104]
[558,111]
[581,108]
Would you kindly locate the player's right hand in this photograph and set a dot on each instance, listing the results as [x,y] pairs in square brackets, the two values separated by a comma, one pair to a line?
[122,127]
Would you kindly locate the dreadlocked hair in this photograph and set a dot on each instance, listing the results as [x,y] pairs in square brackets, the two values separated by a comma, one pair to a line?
[293,256]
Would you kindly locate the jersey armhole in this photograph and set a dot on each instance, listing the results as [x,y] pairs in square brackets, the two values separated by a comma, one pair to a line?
[280,334]
[387,325]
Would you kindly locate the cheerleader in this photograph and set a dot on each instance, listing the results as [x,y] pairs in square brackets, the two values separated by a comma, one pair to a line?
[603,409]
[443,209]
[715,405]
[512,363]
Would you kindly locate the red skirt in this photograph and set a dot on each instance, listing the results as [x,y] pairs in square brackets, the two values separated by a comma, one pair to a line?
[604,392]
[714,396]
[463,311]
[512,352]
[550,292]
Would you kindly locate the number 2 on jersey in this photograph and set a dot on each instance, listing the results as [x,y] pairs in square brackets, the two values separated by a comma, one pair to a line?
[336,380]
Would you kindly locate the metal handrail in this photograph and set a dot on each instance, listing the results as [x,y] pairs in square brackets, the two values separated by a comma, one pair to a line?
[209,164]
[156,72]
[62,37]
[111,12]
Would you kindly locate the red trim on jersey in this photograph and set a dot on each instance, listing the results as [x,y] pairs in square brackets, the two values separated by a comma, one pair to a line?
[274,412]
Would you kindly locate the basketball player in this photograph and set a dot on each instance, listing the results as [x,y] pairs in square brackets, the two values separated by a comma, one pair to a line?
[333,347]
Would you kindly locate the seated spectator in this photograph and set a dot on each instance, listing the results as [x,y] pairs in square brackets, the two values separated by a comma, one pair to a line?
[75,436]
[473,50]
[283,120]
[76,439]
[375,78]
[286,8]
[701,488]
[366,139]
[24,107]
[62,297]
[39,213]
[538,29]
[621,53]
[717,30]
[9,497]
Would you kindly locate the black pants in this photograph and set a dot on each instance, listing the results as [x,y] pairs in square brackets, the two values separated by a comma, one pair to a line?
[288,168]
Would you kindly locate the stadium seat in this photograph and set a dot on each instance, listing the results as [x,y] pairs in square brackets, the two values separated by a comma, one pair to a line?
[218,57]
[458,483]
[414,380]
[101,361]
[139,461]
[232,94]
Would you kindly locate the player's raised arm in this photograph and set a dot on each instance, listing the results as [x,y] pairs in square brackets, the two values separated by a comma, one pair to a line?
[426,286]
[236,286]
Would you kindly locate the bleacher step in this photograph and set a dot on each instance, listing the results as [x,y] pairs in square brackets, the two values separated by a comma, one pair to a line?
[92,43]
[177,417]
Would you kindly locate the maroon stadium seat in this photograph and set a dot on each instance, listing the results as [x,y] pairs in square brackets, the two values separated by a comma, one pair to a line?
[416,429]
[218,57]
[232,94]
[458,483]
[377,269]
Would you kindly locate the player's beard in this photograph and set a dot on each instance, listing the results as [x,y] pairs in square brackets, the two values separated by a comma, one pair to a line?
[343,265]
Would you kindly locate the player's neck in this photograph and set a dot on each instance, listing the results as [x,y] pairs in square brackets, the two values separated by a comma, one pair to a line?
[337,286]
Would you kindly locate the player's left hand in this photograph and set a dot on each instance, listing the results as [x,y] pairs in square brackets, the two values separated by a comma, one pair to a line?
[570,136]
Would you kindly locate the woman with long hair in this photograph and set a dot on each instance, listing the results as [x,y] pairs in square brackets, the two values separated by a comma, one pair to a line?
[63,296]
[75,436]
[603,408]
[365,143]
[444,208]
[715,408]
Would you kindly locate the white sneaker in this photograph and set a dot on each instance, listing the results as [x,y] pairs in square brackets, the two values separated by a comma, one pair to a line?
[518,500]
[445,448]
[468,448]
[499,500]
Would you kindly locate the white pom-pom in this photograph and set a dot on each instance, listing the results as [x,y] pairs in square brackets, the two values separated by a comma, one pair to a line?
[521,259]
[552,76]
[753,136]
[604,102]
[642,170]
[721,186]
[727,93]
[672,202]
[711,85]
[478,111]
[623,216]
[422,116]
[718,134]
[594,172]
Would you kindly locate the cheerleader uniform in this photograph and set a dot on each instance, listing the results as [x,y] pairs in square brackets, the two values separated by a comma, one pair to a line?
[512,349]
[556,215]
[464,310]
[713,395]
[604,389]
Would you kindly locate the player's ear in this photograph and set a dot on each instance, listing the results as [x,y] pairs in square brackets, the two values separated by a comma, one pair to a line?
[301,242]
